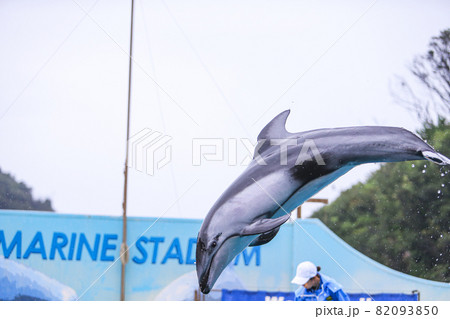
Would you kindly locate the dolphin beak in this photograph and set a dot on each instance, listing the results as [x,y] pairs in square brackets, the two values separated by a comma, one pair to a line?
[203,278]
[204,287]
[202,263]
[210,265]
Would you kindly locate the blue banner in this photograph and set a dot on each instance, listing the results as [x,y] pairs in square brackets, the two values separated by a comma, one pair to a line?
[243,295]
[51,256]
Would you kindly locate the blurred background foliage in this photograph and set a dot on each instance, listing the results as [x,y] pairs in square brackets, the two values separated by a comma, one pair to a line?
[401,216]
[17,195]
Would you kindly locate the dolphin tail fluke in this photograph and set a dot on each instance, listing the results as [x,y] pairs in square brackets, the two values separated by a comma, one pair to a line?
[436,157]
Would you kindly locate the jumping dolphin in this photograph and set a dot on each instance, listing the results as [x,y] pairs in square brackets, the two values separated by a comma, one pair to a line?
[286,170]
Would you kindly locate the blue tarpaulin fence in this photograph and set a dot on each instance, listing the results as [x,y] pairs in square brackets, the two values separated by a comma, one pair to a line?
[237,295]
[384,297]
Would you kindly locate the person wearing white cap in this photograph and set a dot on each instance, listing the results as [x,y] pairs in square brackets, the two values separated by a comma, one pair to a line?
[315,286]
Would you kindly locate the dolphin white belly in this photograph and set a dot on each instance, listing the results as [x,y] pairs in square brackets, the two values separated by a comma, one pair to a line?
[310,189]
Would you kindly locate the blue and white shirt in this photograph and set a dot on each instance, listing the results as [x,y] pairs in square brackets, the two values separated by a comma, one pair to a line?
[328,289]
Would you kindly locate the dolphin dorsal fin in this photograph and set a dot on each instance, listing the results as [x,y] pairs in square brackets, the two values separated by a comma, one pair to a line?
[275,128]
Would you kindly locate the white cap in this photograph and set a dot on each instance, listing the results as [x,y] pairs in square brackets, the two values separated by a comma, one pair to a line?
[305,271]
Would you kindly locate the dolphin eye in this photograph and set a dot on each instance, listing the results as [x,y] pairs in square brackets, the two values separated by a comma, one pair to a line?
[213,244]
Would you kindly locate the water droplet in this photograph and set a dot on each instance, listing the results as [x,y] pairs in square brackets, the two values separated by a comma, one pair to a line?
[424,171]
[439,191]
[441,237]
[443,185]
[425,166]
[412,165]
[442,174]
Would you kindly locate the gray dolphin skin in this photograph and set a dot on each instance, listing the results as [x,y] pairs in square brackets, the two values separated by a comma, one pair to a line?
[286,170]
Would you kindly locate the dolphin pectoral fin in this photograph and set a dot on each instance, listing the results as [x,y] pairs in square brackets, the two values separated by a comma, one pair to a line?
[264,238]
[264,225]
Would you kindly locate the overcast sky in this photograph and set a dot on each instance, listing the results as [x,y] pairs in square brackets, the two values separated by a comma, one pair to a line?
[203,69]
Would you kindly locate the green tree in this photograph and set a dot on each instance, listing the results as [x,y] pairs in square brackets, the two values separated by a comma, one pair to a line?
[401,216]
[15,195]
